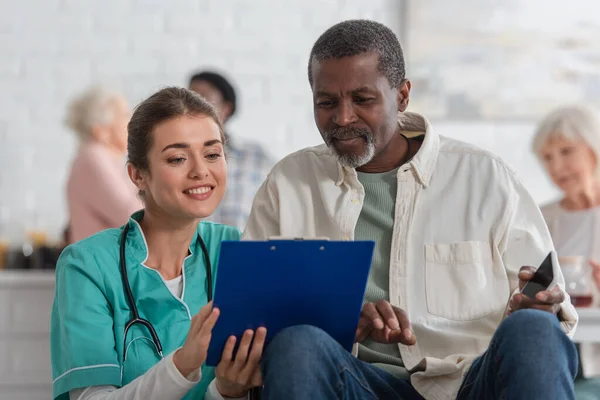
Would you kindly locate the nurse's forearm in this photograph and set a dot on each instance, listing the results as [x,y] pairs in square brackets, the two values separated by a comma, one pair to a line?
[161,382]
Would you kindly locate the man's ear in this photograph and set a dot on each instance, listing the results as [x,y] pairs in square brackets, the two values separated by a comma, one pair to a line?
[403,95]
[226,110]
[138,177]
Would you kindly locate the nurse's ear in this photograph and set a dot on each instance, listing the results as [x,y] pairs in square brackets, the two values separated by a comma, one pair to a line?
[138,177]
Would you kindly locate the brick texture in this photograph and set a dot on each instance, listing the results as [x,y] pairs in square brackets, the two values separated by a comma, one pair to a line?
[51,49]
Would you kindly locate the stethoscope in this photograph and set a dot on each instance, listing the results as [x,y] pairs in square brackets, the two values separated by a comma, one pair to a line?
[134,311]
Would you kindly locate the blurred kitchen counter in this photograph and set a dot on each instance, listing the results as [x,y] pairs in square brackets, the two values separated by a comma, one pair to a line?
[26,298]
[26,278]
[588,329]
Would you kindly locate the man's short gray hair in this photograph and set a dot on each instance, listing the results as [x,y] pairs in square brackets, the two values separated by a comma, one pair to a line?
[91,108]
[573,122]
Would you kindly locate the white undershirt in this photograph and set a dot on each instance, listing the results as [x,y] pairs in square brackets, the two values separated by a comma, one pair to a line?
[176,286]
[161,382]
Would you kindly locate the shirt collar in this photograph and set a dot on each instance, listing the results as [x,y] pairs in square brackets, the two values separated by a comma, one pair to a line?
[423,163]
[136,244]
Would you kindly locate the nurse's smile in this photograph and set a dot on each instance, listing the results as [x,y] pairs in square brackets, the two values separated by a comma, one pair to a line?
[200,192]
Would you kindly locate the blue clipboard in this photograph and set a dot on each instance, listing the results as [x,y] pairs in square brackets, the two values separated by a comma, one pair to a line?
[283,283]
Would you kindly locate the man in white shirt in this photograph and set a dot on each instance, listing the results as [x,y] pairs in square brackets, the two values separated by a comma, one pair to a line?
[453,227]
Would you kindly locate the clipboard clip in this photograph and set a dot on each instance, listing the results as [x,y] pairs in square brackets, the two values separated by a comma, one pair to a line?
[306,238]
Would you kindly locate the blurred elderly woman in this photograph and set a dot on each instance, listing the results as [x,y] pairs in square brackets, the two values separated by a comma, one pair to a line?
[99,192]
[567,142]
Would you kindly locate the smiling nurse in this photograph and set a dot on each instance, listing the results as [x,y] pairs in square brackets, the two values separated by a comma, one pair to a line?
[125,297]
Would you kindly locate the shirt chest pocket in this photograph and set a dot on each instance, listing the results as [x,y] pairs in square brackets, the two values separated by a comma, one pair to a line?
[462,282]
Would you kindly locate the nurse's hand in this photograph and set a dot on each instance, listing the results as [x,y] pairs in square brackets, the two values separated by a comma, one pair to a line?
[194,351]
[236,376]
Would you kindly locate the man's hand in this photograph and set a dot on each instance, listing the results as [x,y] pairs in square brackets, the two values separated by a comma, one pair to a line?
[384,323]
[547,300]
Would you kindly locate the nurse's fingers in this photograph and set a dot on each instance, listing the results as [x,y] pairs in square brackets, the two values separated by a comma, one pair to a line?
[256,378]
[222,370]
[208,325]
[227,355]
[242,354]
[256,351]
[200,317]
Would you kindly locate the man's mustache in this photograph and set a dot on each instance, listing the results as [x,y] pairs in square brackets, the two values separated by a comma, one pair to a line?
[349,133]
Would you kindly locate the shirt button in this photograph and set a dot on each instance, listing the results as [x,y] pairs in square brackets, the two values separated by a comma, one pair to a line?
[346,237]
[356,201]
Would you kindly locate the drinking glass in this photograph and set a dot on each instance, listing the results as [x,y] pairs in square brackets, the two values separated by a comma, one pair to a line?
[578,280]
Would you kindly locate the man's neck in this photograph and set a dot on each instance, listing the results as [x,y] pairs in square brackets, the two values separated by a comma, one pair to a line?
[168,243]
[398,151]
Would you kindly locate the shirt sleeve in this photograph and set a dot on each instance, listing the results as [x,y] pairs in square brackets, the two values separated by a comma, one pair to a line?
[263,221]
[161,382]
[213,394]
[82,339]
[527,242]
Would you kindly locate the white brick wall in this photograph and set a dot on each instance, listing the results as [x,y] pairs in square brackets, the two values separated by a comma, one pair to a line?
[51,49]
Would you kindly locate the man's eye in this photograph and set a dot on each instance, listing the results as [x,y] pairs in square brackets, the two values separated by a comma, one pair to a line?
[325,103]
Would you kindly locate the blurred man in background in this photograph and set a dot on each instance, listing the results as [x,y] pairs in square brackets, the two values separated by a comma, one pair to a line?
[247,162]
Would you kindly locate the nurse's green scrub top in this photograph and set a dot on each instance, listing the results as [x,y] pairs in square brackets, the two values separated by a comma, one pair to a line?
[90,309]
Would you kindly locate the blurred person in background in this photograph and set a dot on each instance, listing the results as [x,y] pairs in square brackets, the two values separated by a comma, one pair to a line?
[567,143]
[247,161]
[99,192]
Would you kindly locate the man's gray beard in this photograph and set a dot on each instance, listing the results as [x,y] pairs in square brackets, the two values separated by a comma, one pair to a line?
[355,160]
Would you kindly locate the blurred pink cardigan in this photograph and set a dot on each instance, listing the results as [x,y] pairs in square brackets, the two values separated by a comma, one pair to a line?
[100,194]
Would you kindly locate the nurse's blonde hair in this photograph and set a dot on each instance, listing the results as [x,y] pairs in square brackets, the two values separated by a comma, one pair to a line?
[573,122]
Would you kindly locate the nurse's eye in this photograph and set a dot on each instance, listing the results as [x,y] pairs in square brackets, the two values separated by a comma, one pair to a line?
[214,156]
[176,160]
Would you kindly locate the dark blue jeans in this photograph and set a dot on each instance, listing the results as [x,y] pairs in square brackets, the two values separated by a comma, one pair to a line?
[529,357]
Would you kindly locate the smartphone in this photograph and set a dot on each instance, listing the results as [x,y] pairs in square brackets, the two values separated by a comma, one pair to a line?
[541,279]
